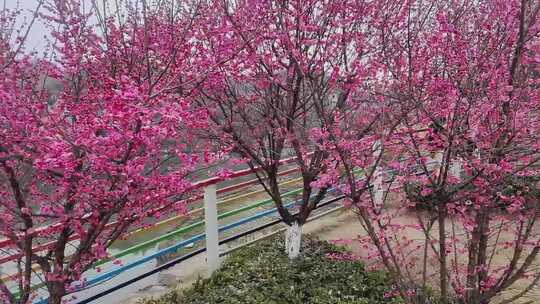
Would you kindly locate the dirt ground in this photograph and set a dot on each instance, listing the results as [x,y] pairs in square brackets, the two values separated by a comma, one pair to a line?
[344,225]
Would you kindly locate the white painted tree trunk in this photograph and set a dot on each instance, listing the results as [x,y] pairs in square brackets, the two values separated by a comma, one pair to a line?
[293,240]
[378,194]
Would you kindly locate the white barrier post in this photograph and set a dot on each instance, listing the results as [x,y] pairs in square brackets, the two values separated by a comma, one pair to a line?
[377,175]
[439,156]
[211,227]
[455,168]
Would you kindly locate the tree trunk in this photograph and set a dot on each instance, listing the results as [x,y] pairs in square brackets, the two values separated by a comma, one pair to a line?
[293,240]
[55,298]
[442,254]
[56,292]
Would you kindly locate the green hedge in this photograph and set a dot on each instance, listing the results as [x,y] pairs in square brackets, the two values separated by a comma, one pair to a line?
[262,273]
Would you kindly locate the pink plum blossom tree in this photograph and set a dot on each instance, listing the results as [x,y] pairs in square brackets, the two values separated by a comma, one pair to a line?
[294,63]
[461,204]
[81,163]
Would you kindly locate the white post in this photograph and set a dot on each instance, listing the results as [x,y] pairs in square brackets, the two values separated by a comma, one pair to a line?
[439,158]
[211,227]
[293,240]
[477,153]
[377,176]
[437,163]
[455,168]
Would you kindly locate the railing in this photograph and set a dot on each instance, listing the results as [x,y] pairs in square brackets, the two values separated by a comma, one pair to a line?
[210,183]
[204,249]
[212,265]
[211,236]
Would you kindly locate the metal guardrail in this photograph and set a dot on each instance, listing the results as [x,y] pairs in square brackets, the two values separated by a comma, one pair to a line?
[196,252]
[181,230]
[198,185]
[178,231]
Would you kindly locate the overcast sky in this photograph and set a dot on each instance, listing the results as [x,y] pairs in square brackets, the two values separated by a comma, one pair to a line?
[35,40]
[36,37]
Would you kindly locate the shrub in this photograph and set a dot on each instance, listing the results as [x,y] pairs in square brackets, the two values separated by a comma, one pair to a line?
[262,273]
